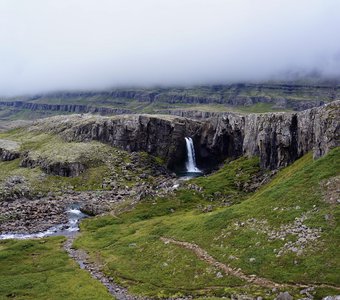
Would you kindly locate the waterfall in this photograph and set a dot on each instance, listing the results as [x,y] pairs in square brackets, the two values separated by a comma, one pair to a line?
[191,160]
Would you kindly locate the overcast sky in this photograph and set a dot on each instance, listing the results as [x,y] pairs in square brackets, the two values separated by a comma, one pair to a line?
[50,45]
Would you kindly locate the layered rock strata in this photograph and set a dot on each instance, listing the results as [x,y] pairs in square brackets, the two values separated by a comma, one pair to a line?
[277,138]
[296,96]
[68,108]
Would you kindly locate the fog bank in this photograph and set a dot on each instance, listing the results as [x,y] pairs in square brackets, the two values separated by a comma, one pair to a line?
[85,44]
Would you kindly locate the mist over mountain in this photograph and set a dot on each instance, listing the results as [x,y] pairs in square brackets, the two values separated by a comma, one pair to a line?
[73,44]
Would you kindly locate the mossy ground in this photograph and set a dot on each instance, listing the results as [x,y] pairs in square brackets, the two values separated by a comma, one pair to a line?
[130,249]
[40,269]
[103,163]
[229,181]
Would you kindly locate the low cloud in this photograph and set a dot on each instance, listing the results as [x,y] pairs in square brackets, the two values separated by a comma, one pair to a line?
[86,44]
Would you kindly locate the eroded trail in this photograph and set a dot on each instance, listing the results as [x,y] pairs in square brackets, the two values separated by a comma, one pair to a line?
[121,293]
[204,255]
[253,279]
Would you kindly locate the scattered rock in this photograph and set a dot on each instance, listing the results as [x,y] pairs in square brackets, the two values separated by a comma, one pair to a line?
[305,235]
[337,297]
[284,296]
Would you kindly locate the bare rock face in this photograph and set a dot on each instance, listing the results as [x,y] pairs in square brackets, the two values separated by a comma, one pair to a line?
[66,169]
[159,136]
[9,150]
[281,95]
[277,138]
[272,137]
[71,108]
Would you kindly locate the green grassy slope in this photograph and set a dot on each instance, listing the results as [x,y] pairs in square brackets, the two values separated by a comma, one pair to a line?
[260,234]
[39,269]
[102,162]
[52,149]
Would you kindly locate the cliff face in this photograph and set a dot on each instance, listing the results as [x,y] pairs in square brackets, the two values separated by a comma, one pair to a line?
[277,138]
[71,108]
[7,155]
[292,96]
[160,136]
[9,150]
[66,169]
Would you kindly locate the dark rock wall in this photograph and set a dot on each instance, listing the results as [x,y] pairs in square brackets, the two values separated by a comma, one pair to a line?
[158,136]
[71,108]
[293,96]
[7,155]
[66,169]
[277,138]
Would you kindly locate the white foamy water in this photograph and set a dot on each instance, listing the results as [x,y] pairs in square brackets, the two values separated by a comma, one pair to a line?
[191,159]
[74,211]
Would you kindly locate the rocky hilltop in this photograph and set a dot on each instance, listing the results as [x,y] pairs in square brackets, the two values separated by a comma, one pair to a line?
[277,138]
[249,97]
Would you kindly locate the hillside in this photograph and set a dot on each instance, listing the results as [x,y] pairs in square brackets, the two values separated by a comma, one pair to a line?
[286,233]
[215,236]
[263,221]
[206,100]
[41,175]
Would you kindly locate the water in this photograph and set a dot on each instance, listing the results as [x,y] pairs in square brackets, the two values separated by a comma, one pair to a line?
[191,159]
[74,216]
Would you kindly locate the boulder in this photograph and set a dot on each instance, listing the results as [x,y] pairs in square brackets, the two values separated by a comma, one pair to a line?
[284,296]
[9,150]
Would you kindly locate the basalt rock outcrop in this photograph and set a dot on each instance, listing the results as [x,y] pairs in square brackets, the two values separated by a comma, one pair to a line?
[7,155]
[294,96]
[277,138]
[161,136]
[9,150]
[66,169]
[69,108]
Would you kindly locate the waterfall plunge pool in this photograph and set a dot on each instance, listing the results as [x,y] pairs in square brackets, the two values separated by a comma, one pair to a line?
[191,169]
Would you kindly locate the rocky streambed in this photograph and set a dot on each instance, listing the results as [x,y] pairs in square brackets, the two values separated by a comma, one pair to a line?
[53,215]
[73,215]
[30,217]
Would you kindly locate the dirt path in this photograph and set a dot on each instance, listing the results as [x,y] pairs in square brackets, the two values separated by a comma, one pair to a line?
[121,293]
[204,255]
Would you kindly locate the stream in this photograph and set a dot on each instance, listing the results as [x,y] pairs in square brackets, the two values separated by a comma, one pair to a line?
[70,229]
[74,215]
